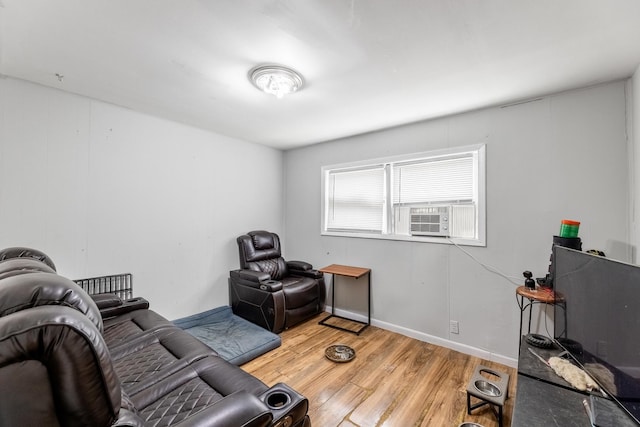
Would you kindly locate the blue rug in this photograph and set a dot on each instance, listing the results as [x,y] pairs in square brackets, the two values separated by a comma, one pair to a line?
[235,339]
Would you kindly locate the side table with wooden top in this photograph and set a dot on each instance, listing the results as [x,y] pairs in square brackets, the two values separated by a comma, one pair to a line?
[538,295]
[354,273]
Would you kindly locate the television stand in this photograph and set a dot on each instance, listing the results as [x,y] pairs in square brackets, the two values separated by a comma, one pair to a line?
[545,399]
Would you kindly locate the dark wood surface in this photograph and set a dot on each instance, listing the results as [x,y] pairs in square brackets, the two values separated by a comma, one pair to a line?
[545,295]
[345,270]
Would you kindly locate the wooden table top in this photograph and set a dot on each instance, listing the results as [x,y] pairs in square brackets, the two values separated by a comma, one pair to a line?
[345,270]
[545,295]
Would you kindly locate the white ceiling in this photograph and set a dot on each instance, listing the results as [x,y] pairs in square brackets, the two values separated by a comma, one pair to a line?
[368,64]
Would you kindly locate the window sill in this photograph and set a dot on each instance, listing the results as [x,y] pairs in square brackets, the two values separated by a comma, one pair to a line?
[404,238]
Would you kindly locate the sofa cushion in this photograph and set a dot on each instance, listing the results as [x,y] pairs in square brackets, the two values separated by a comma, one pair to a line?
[129,325]
[154,355]
[192,389]
[299,291]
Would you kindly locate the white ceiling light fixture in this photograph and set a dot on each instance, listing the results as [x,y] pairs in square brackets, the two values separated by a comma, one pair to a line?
[276,80]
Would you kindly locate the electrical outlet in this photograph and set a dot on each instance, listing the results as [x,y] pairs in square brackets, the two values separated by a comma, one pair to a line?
[454,327]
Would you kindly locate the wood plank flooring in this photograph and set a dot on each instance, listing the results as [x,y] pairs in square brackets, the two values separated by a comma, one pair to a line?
[393,380]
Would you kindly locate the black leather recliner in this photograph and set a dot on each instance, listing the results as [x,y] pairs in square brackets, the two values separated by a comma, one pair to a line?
[269,291]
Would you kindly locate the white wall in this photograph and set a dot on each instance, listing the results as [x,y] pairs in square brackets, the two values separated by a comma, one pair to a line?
[633,128]
[559,157]
[106,190]
[103,190]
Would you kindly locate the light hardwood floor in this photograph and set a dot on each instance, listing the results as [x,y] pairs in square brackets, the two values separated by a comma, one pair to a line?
[393,380]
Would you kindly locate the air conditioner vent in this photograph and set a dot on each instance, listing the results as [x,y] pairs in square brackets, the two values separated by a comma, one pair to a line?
[430,221]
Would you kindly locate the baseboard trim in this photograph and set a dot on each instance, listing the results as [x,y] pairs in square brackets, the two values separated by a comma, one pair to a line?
[421,336]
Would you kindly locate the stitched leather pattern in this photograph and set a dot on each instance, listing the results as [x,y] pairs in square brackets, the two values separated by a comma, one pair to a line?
[269,266]
[184,401]
[119,332]
[142,364]
[274,266]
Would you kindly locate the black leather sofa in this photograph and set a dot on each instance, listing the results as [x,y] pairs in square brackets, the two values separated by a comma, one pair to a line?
[71,359]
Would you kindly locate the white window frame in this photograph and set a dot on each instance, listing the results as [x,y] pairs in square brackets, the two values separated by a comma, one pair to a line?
[479,151]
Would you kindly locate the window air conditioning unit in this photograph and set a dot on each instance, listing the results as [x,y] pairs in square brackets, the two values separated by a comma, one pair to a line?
[430,221]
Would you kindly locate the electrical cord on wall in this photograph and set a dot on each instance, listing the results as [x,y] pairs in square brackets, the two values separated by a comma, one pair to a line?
[514,280]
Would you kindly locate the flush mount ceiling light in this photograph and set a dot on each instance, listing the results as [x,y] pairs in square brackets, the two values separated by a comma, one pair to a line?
[276,80]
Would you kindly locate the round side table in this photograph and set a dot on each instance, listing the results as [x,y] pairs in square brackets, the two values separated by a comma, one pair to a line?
[540,295]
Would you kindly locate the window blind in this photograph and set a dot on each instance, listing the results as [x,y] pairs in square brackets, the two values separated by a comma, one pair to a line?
[434,181]
[356,199]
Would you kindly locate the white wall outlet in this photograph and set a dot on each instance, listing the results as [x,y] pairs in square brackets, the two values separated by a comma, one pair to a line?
[454,327]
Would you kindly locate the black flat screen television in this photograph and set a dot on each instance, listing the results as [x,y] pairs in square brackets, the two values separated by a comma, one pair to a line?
[599,324]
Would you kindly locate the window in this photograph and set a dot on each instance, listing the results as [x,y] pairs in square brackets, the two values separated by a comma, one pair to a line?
[429,197]
[357,199]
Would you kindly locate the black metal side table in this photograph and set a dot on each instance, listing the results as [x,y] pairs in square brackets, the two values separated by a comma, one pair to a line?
[355,273]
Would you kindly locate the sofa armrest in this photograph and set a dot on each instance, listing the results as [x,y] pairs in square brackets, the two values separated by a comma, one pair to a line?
[299,265]
[126,307]
[240,409]
[255,279]
[302,268]
[287,405]
[106,300]
[250,275]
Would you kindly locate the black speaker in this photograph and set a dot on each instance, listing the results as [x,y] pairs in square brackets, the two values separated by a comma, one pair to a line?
[567,242]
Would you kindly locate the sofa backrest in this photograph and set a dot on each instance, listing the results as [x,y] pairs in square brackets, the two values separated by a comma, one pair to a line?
[17,266]
[22,252]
